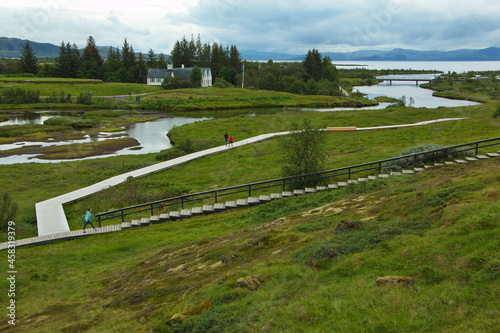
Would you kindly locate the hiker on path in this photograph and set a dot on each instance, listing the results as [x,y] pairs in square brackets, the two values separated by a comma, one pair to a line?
[231,140]
[87,219]
[226,138]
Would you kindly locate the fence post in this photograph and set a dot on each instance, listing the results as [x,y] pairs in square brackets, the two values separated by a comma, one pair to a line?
[349,174]
[152,210]
[99,220]
[249,191]
[216,196]
[477,148]
[123,216]
[182,203]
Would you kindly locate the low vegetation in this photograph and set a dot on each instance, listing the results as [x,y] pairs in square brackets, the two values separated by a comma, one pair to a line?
[301,264]
[306,263]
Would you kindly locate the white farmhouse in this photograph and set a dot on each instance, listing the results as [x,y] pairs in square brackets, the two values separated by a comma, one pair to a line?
[155,76]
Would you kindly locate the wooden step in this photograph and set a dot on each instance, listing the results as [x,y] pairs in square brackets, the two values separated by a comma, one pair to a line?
[136,223]
[343,184]
[407,172]
[493,154]
[145,221]
[154,219]
[471,159]
[482,157]
[383,175]
[264,198]
[197,211]
[241,202]
[286,194]
[310,190]
[275,196]
[219,207]
[362,179]
[321,188]
[186,213]
[299,192]
[372,177]
[126,225]
[352,182]
[175,215]
[164,217]
[252,201]
[461,161]
[208,209]
[333,186]
[231,204]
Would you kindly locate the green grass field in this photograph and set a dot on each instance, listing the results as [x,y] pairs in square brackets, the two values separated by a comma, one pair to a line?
[439,227]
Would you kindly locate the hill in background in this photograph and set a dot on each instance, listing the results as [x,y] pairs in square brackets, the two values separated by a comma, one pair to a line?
[11,48]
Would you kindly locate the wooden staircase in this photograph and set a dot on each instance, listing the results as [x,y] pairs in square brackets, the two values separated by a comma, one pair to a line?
[218,207]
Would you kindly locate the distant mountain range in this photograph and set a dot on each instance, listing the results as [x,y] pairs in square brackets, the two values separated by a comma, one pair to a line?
[11,48]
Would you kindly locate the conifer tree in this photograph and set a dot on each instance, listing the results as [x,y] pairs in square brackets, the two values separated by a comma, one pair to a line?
[28,62]
[313,65]
[128,60]
[62,61]
[91,67]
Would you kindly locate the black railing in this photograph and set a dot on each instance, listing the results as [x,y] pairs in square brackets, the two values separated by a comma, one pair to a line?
[302,180]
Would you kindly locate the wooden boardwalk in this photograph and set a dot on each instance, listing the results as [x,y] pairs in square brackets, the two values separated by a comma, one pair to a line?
[51,219]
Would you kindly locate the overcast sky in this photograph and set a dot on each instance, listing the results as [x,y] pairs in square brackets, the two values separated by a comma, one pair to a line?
[265,25]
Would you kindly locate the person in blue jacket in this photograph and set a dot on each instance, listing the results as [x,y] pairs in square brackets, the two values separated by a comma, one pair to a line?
[87,219]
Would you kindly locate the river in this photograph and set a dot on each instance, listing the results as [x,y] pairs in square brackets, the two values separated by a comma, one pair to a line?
[152,135]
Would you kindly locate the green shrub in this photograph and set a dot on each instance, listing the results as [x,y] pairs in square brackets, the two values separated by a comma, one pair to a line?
[169,154]
[496,113]
[74,122]
[221,83]
[17,95]
[8,209]
[84,98]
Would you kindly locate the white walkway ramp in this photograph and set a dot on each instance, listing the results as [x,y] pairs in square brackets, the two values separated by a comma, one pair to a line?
[50,215]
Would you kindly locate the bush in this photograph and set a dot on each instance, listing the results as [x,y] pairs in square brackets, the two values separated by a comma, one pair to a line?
[221,83]
[19,96]
[84,98]
[70,121]
[496,113]
[176,83]
[8,210]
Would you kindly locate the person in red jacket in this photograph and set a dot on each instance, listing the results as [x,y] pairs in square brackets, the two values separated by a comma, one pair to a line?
[231,140]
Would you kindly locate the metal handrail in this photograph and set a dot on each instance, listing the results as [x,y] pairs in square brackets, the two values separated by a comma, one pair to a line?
[292,180]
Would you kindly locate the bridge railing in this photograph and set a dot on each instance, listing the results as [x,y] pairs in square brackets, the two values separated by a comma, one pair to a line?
[313,179]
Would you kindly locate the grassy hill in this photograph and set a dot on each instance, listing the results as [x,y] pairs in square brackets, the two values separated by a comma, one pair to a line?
[299,272]
[439,227]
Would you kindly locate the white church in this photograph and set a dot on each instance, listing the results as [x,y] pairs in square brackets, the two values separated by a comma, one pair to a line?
[155,76]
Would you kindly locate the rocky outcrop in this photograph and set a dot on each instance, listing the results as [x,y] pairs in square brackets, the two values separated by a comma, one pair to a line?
[251,282]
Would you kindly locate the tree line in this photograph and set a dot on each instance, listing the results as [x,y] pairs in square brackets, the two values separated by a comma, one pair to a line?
[315,74]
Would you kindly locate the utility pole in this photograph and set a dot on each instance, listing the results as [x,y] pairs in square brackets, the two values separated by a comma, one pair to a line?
[243,78]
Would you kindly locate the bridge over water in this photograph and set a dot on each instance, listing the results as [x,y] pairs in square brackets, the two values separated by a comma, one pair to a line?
[408,77]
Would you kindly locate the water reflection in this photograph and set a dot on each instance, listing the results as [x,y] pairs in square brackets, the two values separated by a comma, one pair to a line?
[152,137]
[422,97]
